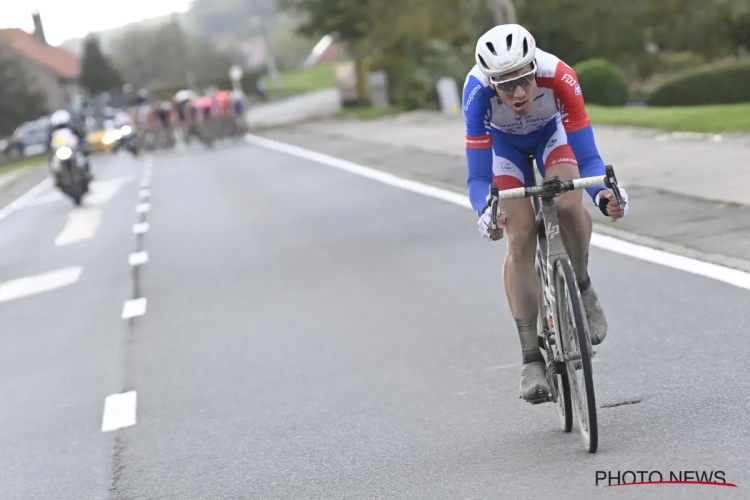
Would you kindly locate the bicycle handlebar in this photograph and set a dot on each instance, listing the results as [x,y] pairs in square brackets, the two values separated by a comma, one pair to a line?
[559,187]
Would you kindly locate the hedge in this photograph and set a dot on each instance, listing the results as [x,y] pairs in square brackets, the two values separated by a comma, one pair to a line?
[602,82]
[728,85]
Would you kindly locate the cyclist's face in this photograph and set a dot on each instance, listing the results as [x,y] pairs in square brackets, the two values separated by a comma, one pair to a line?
[517,90]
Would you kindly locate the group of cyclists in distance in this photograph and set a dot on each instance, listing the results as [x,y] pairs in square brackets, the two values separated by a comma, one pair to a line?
[213,115]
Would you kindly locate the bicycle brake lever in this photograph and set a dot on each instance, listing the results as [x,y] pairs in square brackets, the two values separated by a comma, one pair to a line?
[611,182]
[493,204]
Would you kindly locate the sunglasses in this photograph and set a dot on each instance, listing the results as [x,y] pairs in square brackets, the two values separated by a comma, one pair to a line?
[510,85]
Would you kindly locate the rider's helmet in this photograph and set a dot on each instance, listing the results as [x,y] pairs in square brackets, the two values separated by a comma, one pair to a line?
[61,117]
[504,49]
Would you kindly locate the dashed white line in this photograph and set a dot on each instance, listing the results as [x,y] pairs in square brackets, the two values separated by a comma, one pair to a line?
[144,193]
[145,182]
[134,308]
[119,411]
[728,275]
[141,228]
[143,208]
[45,282]
[138,258]
[82,225]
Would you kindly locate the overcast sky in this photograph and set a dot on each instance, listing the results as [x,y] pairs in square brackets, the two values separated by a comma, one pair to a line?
[64,19]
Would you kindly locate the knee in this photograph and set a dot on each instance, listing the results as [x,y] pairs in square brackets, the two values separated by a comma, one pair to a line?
[522,242]
[569,204]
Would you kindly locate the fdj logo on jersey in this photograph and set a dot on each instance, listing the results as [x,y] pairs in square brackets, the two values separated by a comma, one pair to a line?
[568,79]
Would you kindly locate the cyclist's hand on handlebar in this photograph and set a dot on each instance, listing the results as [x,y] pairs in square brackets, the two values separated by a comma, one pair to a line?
[485,225]
[612,208]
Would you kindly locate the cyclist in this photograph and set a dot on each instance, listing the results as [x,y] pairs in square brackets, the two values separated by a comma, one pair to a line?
[520,101]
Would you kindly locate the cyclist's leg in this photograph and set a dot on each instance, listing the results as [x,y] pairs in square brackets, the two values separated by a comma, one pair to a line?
[555,158]
[511,169]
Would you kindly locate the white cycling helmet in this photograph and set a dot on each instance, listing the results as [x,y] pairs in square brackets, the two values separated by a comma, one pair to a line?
[60,117]
[504,49]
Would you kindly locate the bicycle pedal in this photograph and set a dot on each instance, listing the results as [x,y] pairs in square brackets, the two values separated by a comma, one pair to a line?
[540,400]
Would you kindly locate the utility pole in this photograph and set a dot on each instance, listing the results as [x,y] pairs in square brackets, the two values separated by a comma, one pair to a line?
[503,11]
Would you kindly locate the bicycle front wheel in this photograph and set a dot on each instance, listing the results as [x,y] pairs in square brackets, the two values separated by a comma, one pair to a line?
[576,348]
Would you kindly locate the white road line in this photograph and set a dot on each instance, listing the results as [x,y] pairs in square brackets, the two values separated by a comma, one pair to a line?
[26,197]
[146,182]
[45,199]
[144,193]
[133,308]
[82,225]
[143,208]
[138,258]
[32,285]
[119,411]
[728,275]
[141,228]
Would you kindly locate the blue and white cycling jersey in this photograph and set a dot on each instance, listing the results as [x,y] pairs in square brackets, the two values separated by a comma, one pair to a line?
[499,142]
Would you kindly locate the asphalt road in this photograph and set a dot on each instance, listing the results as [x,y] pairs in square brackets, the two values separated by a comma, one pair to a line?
[313,334]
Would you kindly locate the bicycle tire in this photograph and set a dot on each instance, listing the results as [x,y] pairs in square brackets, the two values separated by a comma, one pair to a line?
[565,282]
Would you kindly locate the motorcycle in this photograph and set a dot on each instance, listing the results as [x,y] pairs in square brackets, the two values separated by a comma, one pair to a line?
[128,140]
[69,169]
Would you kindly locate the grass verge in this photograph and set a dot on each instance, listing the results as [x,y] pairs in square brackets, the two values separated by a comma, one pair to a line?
[719,118]
[17,165]
[302,80]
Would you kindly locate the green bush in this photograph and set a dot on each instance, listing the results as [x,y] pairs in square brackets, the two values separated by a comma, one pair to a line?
[726,85]
[602,82]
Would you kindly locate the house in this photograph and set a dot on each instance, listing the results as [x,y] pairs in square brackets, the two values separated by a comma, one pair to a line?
[54,70]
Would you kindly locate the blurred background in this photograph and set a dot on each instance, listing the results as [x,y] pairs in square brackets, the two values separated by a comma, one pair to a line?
[383,57]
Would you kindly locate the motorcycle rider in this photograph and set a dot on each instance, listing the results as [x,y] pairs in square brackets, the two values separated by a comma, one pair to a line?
[62,120]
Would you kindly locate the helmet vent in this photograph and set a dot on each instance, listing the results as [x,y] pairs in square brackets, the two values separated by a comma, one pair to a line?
[525,47]
[509,41]
[492,48]
[481,60]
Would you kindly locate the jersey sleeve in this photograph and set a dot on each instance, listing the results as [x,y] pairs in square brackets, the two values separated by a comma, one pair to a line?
[569,98]
[476,108]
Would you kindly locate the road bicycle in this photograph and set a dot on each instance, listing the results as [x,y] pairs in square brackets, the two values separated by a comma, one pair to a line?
[563,331]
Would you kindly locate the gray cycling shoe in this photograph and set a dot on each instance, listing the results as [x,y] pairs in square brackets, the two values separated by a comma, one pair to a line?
[534,383]
[595,315]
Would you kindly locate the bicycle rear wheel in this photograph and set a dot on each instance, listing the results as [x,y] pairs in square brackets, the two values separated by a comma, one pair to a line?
[576,349]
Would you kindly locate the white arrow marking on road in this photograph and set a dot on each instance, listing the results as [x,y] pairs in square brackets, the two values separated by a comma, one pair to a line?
[82,225]
[32,285]
[142,208]
[133,308]
[138,258]
[103,191]
[119,411]
[141,228]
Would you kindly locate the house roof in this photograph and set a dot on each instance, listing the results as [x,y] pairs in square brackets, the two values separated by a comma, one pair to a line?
[58,60]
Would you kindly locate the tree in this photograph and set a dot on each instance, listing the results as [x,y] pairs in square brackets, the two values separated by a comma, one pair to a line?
[97,74]
[163,56]
[20,100]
